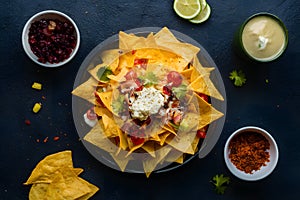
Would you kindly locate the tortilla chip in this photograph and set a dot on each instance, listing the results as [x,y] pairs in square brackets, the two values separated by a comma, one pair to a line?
[66,185]
[201,82]
[199,69]
[97,137]
[182,142]
[38,191]
[62,179]
[106,98]
[86,90]
[174,156]
[111,58]
[130,41]
[93,189]
[123,140]
[208,113]
[151,163]
[163,137]
[77,171]
[100,111]
[165,35]
[187,73]
[120,77]
[189,122]
[132,147]
[194,144]
[111,128]
[169,128]
[121,159]
[48,166]
[205,86]
[149,148]
[126,60]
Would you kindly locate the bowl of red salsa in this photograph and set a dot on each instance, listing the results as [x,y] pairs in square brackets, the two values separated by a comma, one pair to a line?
[251,153]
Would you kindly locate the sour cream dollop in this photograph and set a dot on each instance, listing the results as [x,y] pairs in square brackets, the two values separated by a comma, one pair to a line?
[148,102]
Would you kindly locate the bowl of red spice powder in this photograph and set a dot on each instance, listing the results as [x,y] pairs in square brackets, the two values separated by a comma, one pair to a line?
[50,38]
[251,153]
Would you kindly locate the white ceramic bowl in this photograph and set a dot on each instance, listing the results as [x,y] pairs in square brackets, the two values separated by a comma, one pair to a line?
[264,171]
[48,14]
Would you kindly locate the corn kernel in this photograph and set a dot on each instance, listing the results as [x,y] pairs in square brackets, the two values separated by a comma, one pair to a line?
[36,86]
[37,107]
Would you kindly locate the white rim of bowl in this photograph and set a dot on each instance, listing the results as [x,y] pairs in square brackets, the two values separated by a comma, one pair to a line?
[227,159]
[28,23]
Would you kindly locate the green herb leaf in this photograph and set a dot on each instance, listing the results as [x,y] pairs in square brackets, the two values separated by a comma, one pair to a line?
[149,79]
[103,72]
[238,77]
[180,91]
[118,104]
[219,182]
[176,127]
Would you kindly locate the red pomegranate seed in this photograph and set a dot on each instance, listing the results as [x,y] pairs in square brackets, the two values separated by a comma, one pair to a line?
[52,40]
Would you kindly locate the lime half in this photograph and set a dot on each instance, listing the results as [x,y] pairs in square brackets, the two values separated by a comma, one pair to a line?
[202,16]
[187,9]
[203,4]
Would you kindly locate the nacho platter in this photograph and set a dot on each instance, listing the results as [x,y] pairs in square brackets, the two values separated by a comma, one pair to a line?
[162,146]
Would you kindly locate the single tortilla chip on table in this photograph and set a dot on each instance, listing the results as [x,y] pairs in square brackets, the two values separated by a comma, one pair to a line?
[54,177]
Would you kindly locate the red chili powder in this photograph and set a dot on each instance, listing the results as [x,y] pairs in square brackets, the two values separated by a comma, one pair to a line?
[248,151]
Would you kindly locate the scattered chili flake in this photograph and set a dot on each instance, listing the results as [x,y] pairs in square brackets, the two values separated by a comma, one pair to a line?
[46,139]
[27,122]
[56,138]
[248,151]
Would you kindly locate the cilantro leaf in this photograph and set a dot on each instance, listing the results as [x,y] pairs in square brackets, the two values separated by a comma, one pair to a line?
[103,72]
[180,91]
[149,78]
[219,181]
[238,77]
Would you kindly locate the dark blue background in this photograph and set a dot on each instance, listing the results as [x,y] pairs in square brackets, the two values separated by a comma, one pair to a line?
[273,106]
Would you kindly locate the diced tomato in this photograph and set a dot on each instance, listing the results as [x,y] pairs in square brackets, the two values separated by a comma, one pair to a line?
[139,88]
[131,74]
[90,114]
[138,82]
[177,118]
[167,90]
[204,97]
[201,134]
[141,62]
[97,97]
[128,85]
[133,52]
[175,78]
[117,140]
[136,140]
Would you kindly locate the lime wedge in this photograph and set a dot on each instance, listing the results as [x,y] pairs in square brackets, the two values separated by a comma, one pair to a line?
[202,16]
[187,9]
